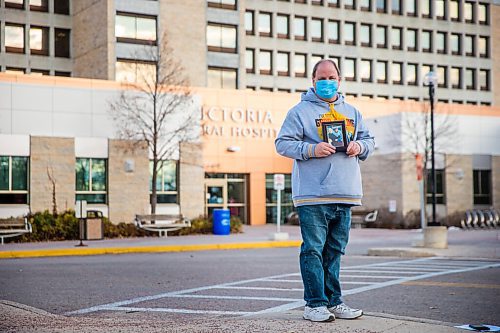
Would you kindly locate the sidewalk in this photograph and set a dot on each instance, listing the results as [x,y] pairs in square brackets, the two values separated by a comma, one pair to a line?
[381,242]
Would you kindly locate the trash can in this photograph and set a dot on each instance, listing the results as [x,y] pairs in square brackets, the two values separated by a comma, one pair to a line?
[94,226]
[222,224]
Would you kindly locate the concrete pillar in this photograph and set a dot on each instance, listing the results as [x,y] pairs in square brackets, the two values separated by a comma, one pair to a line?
[458,182]
[54,156]
[495,181]
[191,180]
[257,200]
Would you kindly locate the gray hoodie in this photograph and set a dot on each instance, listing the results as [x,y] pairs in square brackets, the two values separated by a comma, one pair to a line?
[322,180]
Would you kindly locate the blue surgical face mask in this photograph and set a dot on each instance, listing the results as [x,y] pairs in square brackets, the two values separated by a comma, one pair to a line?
[326,89]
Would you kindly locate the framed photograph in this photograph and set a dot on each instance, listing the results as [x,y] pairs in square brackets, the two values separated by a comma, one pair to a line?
[334,132]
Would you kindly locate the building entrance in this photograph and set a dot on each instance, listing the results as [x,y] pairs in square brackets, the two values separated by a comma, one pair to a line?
[227,191]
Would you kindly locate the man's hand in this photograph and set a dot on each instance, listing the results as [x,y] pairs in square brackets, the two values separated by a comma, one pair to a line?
[323,149]
[353,149]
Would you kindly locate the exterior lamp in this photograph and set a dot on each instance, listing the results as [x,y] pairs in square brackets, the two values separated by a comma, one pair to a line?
[430,81]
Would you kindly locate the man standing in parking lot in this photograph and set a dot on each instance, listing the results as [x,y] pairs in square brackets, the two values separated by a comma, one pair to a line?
[325,185]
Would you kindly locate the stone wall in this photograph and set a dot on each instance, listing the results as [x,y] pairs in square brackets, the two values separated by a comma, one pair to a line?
[128,190]
[191,180]
[459,183]
[55,156]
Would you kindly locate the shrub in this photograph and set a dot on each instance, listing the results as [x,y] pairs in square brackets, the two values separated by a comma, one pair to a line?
[202,225]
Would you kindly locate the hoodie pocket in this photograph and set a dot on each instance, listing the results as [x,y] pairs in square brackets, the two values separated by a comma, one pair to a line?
[342,179]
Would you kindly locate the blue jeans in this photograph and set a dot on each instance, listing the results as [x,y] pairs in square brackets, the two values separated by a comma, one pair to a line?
[325,233]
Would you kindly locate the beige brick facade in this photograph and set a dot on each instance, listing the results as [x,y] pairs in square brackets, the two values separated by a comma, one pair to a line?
[55,156]
[191,180]
[128,190]
[495,180]
[459,183]
[93,43]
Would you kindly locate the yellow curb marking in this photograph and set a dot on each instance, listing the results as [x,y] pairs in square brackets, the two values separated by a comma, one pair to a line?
[144,249]
[451,284]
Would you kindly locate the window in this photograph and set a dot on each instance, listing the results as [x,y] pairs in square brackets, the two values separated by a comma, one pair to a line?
[381,36]
[317,30]
[425,7]
[454,10]
[14,38]
[381,71]
[130,28]
[470,79]
[365,5]
[381,6]
[426,41]
[282,26]
[39,72]
[440,9]
[314,59]
[225,78]
[333,3]
[61,73]
[484,79]
[350,4]
[316,3]
[39,5]
[482,187]
[424,69]
[62,42]
[250,60]
[440,186]
[132,71]
[442,74]
[299,27]
[365,70]
[166,182]
[272,199]
[14,179]
[365,35]
[39,40]
[469,12]
[482,13]
[333,32]
[221,38]
[411,7]
[299,65]
[264,27]
[455,78]
[397,72]
[396,38]
[441,42]
[14,70]
[283,60]
[224,4]
[349,33]
[265,62]
[469,45]
[411,74]
[411,39]
[350,69]
[483,46]
[455,44]
[396,7]
[249,28]
[91,180]
[61,7]
[19,4]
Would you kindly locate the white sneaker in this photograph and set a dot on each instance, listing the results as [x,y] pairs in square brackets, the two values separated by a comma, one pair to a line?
[318,314]
[342,311]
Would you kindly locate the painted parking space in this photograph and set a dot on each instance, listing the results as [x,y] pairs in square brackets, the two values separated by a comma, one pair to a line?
[278,293]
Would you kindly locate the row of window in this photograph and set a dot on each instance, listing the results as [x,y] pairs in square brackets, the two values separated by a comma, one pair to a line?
[90,176]
[454,10]
[135,28]
[368,70]
[380,36]
[19,38]
[35,71]
[60,6]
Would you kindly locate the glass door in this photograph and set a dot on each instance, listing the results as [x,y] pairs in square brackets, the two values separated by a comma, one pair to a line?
[216,195]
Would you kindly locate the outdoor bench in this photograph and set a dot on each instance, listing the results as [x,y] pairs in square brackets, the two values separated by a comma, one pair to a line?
[161,223]
[14,226]
[360,218]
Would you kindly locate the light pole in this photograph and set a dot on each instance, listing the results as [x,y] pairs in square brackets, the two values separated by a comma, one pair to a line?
[430,81]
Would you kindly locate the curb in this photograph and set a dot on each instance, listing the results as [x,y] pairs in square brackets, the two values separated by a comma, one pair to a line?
[144,249]
[401,252]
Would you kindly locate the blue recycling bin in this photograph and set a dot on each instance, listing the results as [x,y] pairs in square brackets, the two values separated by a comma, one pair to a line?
[222,224]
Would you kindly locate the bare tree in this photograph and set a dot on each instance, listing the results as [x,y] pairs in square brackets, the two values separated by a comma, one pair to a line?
[157,108]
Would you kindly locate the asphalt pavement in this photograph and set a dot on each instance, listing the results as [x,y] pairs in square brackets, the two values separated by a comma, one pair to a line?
[467,250]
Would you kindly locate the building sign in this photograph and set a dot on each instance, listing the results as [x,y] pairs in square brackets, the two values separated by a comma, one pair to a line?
[238,122]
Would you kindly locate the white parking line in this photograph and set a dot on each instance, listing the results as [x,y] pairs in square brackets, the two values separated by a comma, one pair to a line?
[400,267]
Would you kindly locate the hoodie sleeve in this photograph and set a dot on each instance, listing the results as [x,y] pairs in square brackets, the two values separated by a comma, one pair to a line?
[364,138]
[289,142]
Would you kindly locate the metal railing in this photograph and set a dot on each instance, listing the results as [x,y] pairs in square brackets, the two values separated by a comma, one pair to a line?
[481,219]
